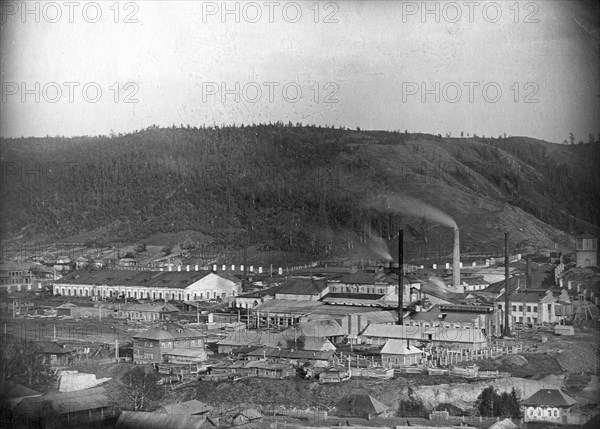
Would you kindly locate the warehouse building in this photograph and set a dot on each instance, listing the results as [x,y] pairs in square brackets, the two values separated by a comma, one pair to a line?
[152,285]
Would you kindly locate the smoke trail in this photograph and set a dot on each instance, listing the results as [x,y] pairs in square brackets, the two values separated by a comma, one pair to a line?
[413,207]
[377,245]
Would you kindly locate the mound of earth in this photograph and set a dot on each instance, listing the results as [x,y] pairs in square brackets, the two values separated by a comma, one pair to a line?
[513,360]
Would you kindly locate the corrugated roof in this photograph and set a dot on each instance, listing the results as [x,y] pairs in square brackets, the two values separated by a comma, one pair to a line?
[550,397]
[145,420]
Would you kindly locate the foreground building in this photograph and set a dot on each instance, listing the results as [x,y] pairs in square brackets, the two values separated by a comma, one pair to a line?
[548,405]
[153,345]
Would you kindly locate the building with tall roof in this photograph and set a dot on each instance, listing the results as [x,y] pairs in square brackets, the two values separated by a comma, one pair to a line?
[547,405]
[152,345]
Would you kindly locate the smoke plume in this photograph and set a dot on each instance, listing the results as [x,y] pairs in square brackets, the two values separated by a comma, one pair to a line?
[413,207]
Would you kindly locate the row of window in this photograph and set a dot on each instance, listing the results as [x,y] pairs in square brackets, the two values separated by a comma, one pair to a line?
[171,344]
[542,412]
[529,308]
[445,325]
[354,289]
[144,294]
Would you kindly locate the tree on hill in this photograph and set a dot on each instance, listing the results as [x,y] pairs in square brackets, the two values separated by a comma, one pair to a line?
[137,390]
[491,404]
[23,362]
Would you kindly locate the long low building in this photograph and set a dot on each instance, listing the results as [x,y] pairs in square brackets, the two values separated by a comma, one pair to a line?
[459,338]
[153,285]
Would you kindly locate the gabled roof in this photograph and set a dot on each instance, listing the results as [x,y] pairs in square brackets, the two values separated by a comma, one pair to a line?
[399,347]
[550,397]
[303,287]
[359,404]
[16,390]
[169,331]
[63,402]
[263,292]
[188,407]
[145,420]
[359,277]
[166,279]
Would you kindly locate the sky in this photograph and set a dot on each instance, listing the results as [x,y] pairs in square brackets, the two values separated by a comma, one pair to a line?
[485,68]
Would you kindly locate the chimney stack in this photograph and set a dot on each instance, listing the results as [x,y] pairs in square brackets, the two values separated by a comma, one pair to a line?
[456,260]
[400,276]
[506,289]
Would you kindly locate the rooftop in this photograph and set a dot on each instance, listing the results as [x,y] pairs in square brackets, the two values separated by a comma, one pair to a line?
[549,397]
[169,331]
[167,279]
[303,287]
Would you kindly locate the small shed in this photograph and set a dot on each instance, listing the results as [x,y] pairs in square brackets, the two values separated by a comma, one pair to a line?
[246,416]
[399,353]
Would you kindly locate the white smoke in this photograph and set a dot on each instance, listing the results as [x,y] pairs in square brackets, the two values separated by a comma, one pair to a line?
[378,246]
[413,207]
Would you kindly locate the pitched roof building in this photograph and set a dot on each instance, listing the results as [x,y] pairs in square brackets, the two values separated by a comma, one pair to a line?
[550,405]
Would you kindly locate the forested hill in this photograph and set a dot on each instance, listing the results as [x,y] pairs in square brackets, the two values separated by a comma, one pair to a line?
[298,188]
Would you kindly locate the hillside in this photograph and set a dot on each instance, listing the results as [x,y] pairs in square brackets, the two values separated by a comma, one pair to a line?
[311,190]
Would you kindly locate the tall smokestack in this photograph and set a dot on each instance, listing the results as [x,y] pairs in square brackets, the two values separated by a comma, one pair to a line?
[400,276]
[527,273]
[456,260]
[506,289]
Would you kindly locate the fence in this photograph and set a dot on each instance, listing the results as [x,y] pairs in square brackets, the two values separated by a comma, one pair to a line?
[445,357]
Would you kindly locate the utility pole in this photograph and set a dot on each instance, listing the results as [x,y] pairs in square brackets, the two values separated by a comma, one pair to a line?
[506,289]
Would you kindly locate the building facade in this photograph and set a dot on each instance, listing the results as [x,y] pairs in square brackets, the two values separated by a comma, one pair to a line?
[147,285]
[151,346]
[586,249]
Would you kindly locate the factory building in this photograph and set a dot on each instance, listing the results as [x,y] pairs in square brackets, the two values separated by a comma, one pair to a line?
[148,285]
